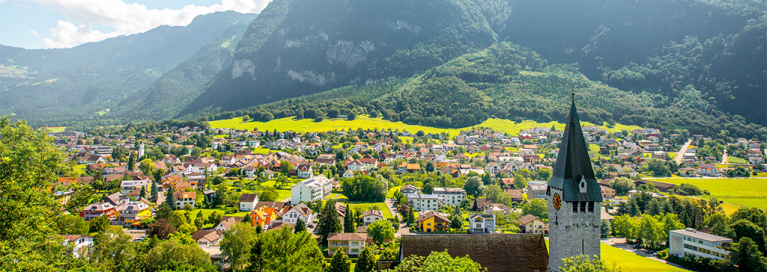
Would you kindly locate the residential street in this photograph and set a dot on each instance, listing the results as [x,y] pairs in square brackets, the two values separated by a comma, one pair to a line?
[391,204]
[724,155]
[680,154]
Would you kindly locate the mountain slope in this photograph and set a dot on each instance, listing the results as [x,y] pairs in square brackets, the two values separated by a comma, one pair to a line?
[176,89]
[701,54]
[504,81]
[74,83]
[325,44]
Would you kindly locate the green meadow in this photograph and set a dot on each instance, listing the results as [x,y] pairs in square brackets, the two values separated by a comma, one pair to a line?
[749,192]
[630,262]
[366,122]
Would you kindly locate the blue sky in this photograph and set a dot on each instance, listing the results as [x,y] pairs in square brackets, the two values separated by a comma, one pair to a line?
[37,24]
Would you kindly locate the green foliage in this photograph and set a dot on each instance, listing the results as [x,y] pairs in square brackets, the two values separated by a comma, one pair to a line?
[537,207]
[438,261]
[583,263]
[71,224]
[100,224]
[174,255]
[622,185]
[473,186]
[328,221]
[236,244]
[340,262]
[380,230]
[350,225]
[300,226]
[366,261]
[365,188]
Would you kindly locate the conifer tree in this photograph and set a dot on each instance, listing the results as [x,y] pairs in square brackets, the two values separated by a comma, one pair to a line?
[329,222]
[300,226]
[410,216]
[340,262]
[366,262]
[153,194]
[131,161]
[259,228]
[349,224]
[169,198]
[247,219]
[257,260]
[142,194]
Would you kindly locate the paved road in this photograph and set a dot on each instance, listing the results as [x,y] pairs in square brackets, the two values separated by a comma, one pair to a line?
[392,205]
[724,155]
[680,154]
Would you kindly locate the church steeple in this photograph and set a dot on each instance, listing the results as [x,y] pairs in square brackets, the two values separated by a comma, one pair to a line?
[572,172]
[574,198]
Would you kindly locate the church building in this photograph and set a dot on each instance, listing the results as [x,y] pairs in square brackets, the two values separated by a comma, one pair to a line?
[574,198]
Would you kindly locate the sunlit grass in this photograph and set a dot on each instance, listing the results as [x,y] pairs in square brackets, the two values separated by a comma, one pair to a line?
[749,192]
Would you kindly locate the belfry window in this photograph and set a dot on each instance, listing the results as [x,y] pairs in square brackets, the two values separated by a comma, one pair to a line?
[575,207]
[583,207]
[591,206]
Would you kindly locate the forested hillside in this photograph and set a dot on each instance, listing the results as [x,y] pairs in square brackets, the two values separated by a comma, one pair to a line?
[503,81]
[700,55]
[76,83]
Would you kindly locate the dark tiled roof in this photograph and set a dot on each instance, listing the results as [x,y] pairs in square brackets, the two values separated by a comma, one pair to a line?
[573,162]
[496,252]
[527,219]
[248,197]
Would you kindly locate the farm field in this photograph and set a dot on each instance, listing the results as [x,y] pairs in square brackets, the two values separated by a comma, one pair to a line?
[56,129]
[366,122]
[749,192]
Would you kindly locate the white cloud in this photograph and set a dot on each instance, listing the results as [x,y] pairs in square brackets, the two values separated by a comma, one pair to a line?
[34,33]
[126,18]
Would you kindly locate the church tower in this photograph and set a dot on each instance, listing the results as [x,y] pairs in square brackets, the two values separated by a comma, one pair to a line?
[575,199]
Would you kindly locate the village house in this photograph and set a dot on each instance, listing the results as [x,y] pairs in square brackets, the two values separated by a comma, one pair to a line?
[409,189]
[132,213]
[431,221]
[351,243]
[300,211]
[370,216]
[206,238]
[532,224]
[98,209]
[481,223]
[248,202]
[185,198]
[708,170]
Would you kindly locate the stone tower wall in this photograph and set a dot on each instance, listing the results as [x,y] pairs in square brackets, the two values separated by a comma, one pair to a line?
[572,234]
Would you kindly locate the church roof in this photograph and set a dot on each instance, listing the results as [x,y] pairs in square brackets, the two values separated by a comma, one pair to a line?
[572,162]
[496,252]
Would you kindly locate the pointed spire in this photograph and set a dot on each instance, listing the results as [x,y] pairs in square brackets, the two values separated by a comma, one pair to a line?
[573,163]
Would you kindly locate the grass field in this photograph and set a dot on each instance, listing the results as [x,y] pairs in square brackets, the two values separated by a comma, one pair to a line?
[369,206]
[629,262]
[390,194]
[736,160]
[366,122]
[56,129]
[750,192]
[261,150]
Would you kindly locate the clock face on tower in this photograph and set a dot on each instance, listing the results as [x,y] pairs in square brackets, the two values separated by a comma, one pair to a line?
[557,201]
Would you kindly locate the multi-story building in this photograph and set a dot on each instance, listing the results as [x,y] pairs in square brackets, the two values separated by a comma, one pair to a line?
[481,223]
[127,186]
[133,212]
[185,198]
[351,243]
[98,209]
[312,189]
[300,211]
[536,189]
[449,196]
[699,244]
[422,202]
[370,216]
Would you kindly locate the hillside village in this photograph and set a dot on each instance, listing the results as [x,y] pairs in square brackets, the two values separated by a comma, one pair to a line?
[360,187]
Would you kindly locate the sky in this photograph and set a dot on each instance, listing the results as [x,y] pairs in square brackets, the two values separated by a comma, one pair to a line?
[36,24]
